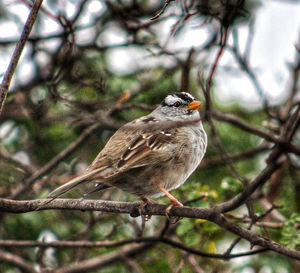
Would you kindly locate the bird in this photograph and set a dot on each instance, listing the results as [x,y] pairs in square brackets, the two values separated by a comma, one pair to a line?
[151,155]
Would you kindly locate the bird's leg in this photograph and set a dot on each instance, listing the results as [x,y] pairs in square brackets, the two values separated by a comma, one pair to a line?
[146,201]
[174,202]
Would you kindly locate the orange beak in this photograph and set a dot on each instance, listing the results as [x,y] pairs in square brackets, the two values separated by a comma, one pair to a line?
[194,105]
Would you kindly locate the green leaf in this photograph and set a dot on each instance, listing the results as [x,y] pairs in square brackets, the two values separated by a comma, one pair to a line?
[291,232]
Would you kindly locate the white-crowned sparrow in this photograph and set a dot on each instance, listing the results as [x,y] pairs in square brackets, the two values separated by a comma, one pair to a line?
[151,155]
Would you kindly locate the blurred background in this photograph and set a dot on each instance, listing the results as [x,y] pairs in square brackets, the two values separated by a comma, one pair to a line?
[91,66]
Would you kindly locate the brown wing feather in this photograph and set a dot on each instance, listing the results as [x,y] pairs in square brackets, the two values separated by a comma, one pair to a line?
[131,150]
[144,150]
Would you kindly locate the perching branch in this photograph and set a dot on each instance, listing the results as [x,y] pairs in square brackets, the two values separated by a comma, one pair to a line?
[212,214]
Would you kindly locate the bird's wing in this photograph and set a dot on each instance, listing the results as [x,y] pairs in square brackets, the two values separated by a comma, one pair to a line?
[130,147]
[147,148]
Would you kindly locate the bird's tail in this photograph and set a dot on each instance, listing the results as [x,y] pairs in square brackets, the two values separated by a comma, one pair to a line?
[67,187]
[72,184]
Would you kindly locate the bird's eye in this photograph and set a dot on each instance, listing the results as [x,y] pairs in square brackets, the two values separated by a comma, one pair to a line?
[177,104]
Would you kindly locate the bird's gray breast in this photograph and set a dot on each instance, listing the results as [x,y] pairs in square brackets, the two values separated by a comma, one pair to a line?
[198,143]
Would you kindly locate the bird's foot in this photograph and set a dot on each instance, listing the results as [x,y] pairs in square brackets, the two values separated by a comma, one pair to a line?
[146,217]
[175,203]
[173,219]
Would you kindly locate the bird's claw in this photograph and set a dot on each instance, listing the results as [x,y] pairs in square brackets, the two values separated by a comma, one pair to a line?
[173,219]
[146,217]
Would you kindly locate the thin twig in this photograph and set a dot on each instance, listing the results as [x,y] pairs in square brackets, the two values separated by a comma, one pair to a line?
[54,162]
[216,62]
[230,118]
[167,2]
[17,261]
[17,52]
[219,161]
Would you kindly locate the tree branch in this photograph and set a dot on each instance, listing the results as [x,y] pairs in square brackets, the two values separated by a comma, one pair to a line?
[289,147]
[107,244]
[100,261]
[212,214]
[219,161]
[54,161]
[14,206]
[17,52]
[16,261]
[247,191]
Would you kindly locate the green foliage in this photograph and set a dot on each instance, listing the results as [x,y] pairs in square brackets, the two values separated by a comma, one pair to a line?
[231,186]
[291,232]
